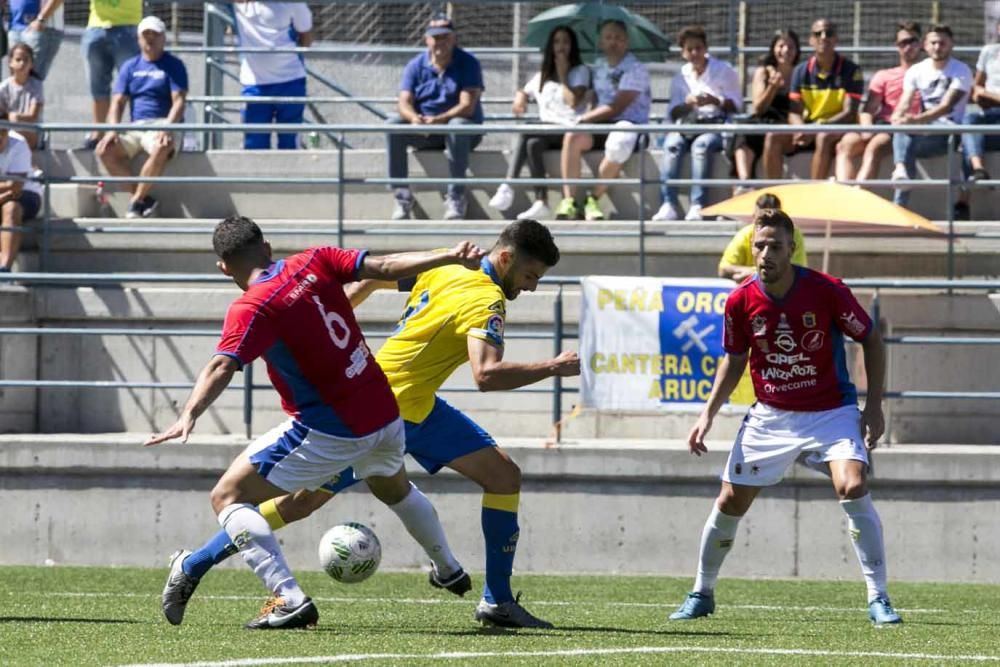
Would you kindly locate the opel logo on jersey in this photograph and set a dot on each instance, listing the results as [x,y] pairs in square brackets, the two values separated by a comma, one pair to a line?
[785,342]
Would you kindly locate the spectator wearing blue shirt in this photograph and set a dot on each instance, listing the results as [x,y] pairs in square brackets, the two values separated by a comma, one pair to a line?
[29,24]
[156,84]
[440,86]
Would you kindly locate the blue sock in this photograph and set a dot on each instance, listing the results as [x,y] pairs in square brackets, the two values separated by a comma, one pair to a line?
[500,531]
[216,550]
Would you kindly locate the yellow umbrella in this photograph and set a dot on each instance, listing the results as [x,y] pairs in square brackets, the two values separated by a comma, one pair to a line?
[828,205]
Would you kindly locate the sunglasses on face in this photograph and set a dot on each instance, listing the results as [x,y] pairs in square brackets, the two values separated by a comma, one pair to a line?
[909,41]
[824,33]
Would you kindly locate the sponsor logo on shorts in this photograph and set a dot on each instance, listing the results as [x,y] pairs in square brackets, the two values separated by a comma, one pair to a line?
[738,468]
[754,469]
[725,544]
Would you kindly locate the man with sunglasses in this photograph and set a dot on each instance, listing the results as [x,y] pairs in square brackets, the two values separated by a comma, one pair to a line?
[825,90]
[884,93]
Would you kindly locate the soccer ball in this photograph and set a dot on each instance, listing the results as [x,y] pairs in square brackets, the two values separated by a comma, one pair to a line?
[350,552]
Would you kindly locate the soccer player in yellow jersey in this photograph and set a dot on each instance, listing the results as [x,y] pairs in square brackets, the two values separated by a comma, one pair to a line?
[451,317]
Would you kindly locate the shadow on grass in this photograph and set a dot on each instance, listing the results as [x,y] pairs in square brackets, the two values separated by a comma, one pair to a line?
[63,619]
[563,629]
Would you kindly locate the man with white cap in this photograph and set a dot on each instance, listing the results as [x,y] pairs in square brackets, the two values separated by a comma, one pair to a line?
[441,86]
[155,83]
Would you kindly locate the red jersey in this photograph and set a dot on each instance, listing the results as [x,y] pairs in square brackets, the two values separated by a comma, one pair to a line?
[298,318]
[796,344]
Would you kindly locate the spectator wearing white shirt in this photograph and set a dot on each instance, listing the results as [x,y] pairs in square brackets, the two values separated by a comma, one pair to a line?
[272,25]
[559,89]
[944,84]
[21,94]
[706,91]
[19,200]
[985,93]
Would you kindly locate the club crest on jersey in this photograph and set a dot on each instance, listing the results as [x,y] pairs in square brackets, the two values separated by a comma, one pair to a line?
[809,320]
[758,325]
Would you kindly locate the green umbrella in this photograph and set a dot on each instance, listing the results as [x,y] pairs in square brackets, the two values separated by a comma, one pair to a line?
[644,38]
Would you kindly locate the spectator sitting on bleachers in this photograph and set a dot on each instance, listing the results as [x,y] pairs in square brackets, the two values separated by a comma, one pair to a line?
[884,93]
[826,89]
[272,25]
[156,84]
[985,93]
[737,260]
[19,200]
[21,93]
[441,86]
[107,43]
[622,92]
[29,24]
[706,90]
[943,84]
[560,90]
[769,100]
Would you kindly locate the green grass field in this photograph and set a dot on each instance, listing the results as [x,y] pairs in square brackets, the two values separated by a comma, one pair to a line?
[104,616]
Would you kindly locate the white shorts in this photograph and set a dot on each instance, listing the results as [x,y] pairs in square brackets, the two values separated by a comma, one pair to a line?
[619,145]
[293,456]
[771,440]
[136,141]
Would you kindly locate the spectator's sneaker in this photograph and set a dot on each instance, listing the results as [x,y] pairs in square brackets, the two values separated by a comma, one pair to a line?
[277,616]
[742,190]
[508,615]
[4,269]
[695,605]
[403,209]
[592,210]
[146,208]
[901,179]
[694,213]
[567,209]
[667,213]
[89,143]
[458,583]
[179,589]
[979,175]
[454,209]
[503,199]
[538,211]
[962,212]
[881,612]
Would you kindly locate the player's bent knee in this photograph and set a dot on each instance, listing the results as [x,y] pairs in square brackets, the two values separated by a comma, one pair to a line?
[851,489]
[223,495]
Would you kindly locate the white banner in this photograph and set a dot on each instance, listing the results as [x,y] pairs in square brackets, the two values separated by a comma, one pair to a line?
[650,343]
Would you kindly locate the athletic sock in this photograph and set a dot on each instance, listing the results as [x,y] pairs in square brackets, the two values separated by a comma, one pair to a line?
[253,537]
[220,547]
[500,531]
[421,521]
[865,529]
[716,540]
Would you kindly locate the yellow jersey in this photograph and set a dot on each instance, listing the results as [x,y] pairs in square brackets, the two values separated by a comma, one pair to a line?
[111,13]
[739,252]
[447,305]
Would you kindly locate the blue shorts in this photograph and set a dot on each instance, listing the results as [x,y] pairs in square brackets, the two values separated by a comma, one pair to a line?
[445,435]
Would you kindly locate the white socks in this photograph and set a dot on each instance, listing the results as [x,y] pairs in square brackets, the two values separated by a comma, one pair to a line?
[253,537]
[865,529]
[421,521]
[716,540]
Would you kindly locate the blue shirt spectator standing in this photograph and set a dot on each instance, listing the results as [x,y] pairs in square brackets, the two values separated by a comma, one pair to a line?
[30,24]
[272,25]
[156,84]
[440,86]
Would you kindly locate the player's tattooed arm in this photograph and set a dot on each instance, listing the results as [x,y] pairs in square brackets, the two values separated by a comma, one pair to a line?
[406,264]
[212,381]
[491,373]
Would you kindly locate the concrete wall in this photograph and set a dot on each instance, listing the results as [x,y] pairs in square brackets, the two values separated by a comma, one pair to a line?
[623,507]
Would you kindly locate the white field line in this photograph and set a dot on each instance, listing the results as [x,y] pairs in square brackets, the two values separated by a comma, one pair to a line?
[571,653]
[539,603]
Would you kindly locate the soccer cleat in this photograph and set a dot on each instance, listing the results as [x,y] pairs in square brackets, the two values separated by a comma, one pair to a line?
[508,615]
[592,210]
[503,199]
[454,209]
[566,209]
[881,612]
[667,213]
[275,615]
[538,211]
[695,605]
[178,590]
[459,583]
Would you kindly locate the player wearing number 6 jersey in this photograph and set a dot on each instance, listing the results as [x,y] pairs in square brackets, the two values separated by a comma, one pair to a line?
[791,322]
[452,317]
[294,313]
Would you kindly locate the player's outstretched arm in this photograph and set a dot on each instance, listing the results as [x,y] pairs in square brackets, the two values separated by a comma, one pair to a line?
[214,378]
[406,264]
[492,373]
[872,419]
[727,376]
[357,292]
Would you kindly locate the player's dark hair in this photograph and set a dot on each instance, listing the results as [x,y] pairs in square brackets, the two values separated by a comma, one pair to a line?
[691,32]
[942,29]
[909,26]
[237,237]
[767,200]
[615,22]
[549,59]
[774,217]
[532,239]
[787,35]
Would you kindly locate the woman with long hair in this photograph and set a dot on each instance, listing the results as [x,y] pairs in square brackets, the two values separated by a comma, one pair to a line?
[21,93]
[559,89]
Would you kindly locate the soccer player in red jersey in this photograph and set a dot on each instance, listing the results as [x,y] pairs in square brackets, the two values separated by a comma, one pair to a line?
[790,322]
[294,313]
